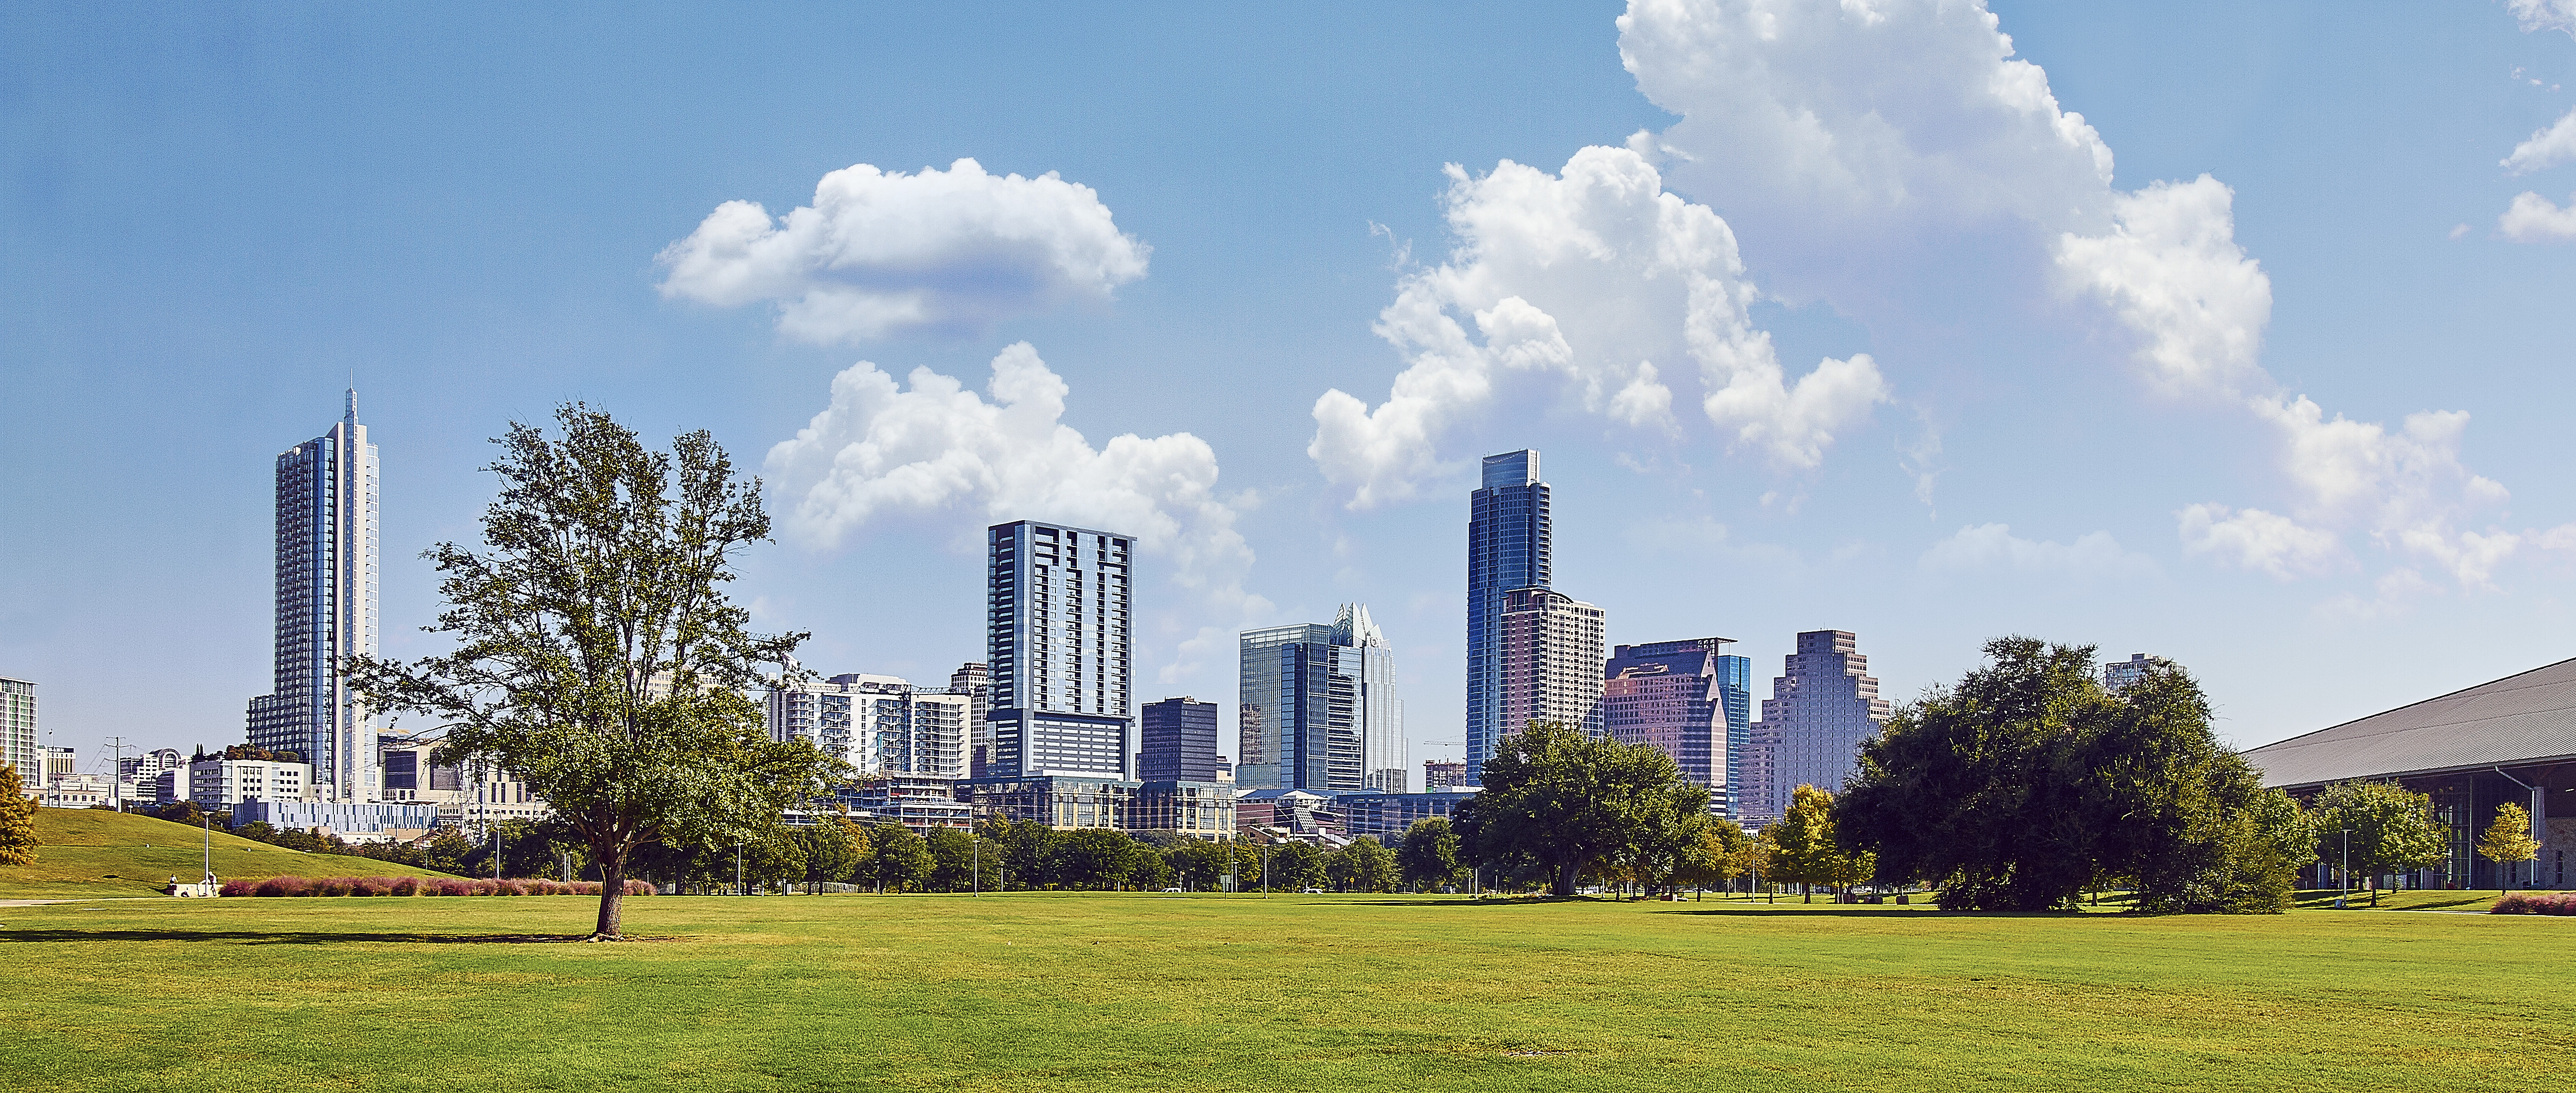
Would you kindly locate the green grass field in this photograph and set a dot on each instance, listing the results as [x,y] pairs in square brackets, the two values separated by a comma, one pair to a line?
[1123,992]
[88,852]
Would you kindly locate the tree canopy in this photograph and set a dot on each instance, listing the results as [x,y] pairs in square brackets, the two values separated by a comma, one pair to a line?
[1565,803]
[17,820]
[2027,783]
[1427,856]
[1803,849]
[2382,826]
[2508,842]
[598,659]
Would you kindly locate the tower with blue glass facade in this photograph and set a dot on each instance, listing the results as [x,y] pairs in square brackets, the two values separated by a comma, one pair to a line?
[1507,548]
[1690,699]
[326,611]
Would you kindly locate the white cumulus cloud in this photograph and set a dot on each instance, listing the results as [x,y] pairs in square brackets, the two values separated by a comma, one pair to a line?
[2546,148]
[931,447]
[2536,219]
[2171,268]
[883,252]
[1597,277]
[2261,541]
[2544,14]
[1994,546]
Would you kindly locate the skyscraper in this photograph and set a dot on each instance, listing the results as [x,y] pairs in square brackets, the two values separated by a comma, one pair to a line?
[1180,740]
[1507,548]
[1813,723]
[1057,637]
[1317,707]
[1687,698]
[975,681]
[19,743]
[326,610]
[1550,661]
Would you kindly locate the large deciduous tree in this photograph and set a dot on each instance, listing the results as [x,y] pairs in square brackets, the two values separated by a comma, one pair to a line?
[1569,802]
[1365,865]
[2027,783]
[598,659]
[2382,826]
[1428,854]
[1804,851]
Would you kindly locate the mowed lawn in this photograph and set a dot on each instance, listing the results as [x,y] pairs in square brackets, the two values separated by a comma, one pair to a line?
[1122,992]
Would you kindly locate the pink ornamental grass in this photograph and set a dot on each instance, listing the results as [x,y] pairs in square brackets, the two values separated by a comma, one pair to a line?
[2536,903]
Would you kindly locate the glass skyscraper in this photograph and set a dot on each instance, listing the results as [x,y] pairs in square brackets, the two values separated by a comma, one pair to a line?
[1507,549]
[1057,636]
[1813,723]
[1317,707]
[1688,698]
[326,610]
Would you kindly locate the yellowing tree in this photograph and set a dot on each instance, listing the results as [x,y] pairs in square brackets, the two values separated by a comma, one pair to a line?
[2508,841]
[17,821]
[1805,852]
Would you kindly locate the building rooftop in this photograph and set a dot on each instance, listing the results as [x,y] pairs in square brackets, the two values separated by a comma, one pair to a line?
[2515,720]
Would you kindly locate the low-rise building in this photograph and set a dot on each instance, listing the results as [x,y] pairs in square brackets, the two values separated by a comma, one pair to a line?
[1199,810]
[1274,814]
[217,784]
[357,823]
[915,802]
[1387,816]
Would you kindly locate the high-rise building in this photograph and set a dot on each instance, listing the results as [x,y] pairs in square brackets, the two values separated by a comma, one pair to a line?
[878,725]
[1438,775]
[1688,698]
[1814,722]
[975,681]
[2119,674]
[1507,548]
[326,610]
[1550,660]
[1180,740]
[1317,707]
[1057,633]
[19,743]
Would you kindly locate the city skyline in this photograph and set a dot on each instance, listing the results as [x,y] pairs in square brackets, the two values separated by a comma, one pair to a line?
[1268,329]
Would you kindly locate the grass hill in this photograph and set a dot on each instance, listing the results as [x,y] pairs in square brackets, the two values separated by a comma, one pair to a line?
[89,852]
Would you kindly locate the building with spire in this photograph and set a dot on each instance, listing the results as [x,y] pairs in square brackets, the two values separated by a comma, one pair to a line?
[1507,549]
[326,610]
[1317,708]
[1814,722]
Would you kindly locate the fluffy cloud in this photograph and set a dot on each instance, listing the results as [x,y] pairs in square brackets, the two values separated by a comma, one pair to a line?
[1597,277]
[883,451]
[1994,546]
[2546,148]
[2545,14]
[2535,219]
[1861,147]
[2171,269]
[2261,541]
[882,252]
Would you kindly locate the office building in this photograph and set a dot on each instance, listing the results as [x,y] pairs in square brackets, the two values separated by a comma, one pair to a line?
[1814,722]
[1188,808]
[1180,740]
[878,725]
[1317,707]
[1057,635]
[2119,674]
[216,784]
[1507,548]
[20,746]
[326,610]
[134,767]
[1688,698]
[1387,816]
[975,681]
[1438,775]
[360,822]
[916,802]
[1549,661]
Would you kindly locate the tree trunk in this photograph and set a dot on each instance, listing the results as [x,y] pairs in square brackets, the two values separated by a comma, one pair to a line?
[1566,875]
[612,897]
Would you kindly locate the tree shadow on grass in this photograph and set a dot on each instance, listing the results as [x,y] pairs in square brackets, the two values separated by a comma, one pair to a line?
[287,937]
[1768,911]
[1453,901]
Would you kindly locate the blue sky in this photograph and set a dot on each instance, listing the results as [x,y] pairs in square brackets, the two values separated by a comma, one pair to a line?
[1970,386]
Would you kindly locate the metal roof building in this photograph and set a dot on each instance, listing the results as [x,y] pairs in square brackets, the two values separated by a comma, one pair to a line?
[2512,740]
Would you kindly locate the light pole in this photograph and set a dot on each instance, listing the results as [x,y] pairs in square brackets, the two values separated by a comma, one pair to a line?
[738,889]
[977,841]
[2346,891]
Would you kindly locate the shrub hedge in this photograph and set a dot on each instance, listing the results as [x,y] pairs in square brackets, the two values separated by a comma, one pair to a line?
[419,886]
[2536,903]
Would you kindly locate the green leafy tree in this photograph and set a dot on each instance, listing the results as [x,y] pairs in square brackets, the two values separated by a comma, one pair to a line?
[1148,869]
[1027,851]
[2507,842]
[1716,859]
[1365,865]
[953,859]
[1669,825]
[598,658]
[774,857]
[18,838]
[1565,803]
[834,847]
[1093,858]
[1804,852]
[1199,865]
[1295,867]
[1427,856]
[2027,783]
[2391,830]
[898,859]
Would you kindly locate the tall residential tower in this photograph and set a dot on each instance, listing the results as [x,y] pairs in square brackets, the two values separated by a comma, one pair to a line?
[1550,660]
[326,610]
[1507,548]
[1057,635]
